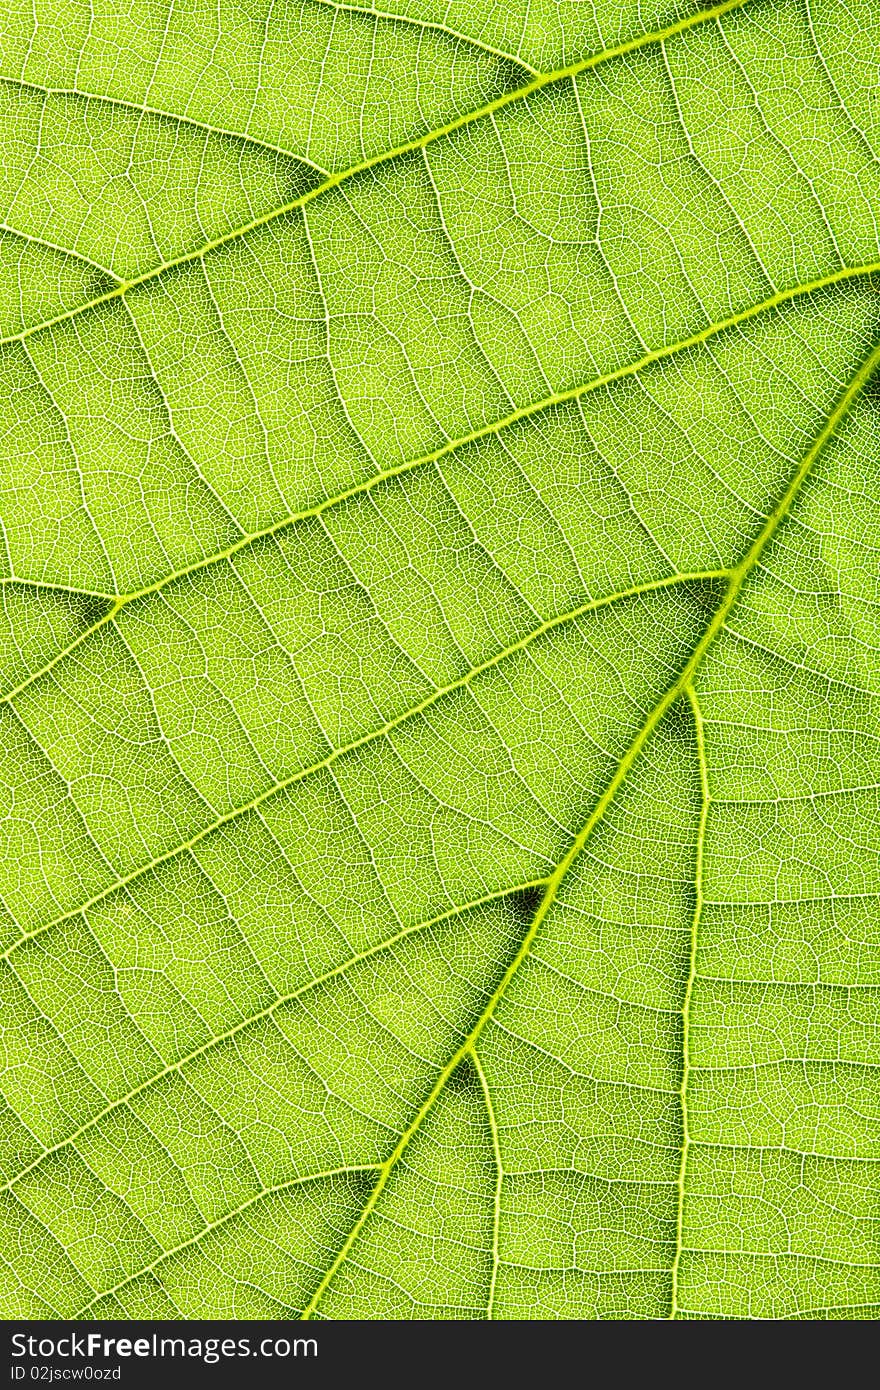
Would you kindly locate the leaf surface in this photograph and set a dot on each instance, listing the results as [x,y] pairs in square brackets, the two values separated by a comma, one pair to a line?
[440,677]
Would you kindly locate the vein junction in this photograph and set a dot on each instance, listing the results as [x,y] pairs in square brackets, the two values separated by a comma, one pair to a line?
[681,687]
[120,601]
[470,1052]
[377,734]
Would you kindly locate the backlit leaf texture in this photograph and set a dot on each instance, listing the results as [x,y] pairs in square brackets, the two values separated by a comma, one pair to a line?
[439,578]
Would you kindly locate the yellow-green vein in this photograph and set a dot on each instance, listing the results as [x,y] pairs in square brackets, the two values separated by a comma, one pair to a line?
[499,1180]
[436,455]
[696,917]
[225,1220]
[491,108]
[219,1039]
[652,586]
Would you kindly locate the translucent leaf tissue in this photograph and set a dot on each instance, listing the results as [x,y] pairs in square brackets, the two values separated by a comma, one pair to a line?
[440,682]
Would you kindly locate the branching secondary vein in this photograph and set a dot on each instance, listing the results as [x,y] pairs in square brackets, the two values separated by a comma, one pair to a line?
[336,973]
[581,1011]
[700,739]
[499,1180]
[537,84]
[575,393]
[225,1220]
[552,624]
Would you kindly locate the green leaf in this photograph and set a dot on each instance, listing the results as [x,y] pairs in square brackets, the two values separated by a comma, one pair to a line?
[438,835]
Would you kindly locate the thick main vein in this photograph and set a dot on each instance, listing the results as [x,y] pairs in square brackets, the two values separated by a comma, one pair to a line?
[495,427]
[679,688]
[560,620]
[419,142]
